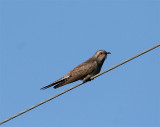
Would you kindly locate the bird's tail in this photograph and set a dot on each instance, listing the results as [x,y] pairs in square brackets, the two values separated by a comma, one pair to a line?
[54,83]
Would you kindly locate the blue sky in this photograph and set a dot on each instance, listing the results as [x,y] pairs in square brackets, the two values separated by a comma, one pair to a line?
[41,40]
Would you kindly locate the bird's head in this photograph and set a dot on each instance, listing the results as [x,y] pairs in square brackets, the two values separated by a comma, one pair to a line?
[101,55]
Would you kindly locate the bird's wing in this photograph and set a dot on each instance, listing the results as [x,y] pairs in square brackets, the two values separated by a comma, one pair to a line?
[79,72]
[84,69]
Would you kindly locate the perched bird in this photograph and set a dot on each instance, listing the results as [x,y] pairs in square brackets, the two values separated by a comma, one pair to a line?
[83,71]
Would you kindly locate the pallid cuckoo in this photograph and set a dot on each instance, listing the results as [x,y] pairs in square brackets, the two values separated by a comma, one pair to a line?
[84,71]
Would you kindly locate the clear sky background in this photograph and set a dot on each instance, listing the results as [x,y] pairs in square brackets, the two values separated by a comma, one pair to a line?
[41,40]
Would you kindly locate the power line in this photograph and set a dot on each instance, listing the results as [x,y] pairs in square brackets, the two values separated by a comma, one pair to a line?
[80,84]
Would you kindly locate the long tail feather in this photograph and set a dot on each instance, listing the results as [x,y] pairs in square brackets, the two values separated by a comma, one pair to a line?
[54,83]
[58,85]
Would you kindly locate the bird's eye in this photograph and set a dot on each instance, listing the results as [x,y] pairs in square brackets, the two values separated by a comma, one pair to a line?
[101,53]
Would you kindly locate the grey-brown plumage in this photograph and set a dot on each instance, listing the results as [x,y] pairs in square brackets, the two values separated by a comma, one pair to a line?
[83,71]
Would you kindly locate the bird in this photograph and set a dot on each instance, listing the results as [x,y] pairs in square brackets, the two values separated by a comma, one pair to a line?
[84,71]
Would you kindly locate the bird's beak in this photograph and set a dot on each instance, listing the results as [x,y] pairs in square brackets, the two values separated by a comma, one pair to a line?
[108,53]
